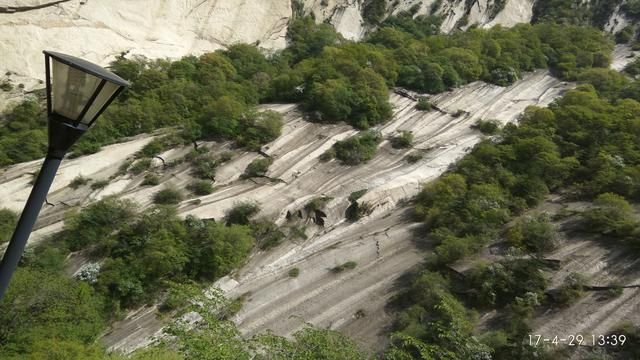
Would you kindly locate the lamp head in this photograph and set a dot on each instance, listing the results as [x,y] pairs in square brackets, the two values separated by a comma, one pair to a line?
[77,93]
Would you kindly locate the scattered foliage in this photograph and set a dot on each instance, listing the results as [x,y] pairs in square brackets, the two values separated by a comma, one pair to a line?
[168,196]
[200,187]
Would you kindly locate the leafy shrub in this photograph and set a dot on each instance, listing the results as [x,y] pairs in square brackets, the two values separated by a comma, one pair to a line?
[502,282]
[158,145]
[225,156]
[487,127]
[168,196]
[84,147]
[328,155]
[308,39]
[414,157]
[316,204]
[571,290]
[625,35]
[349,265]
[403,140]
[535,234]
[297,232]
[631,8]
[423,104]
[356,211]
[100,184]
[200,187]
[259,128]
[358,148]
[435,6]
[96,222]
[615,291]
[78,181]
[611,215]
[374,11]
[122,169]
[140,166]
[267,234]
[294,272]
[8,221]
[241,213]
[354,196]
[258,167]
[150,179]
[59,308]
[633,68]
[203,164]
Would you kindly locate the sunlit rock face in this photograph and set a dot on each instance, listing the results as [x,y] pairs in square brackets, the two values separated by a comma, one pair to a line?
[100,30]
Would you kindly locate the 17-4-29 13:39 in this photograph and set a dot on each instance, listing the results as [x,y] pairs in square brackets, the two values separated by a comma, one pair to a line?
[577,340]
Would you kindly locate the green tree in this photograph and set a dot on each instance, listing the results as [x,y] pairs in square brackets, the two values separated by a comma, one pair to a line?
[358,148]
[307,39]
[535,234]
[374,11]
[333,99]
[611,215]
[217,249]
[95,223]
[168,196]
[57,309]
[219,119]
[241,213]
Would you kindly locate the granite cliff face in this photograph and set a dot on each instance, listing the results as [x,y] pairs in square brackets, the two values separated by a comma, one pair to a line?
[100,30]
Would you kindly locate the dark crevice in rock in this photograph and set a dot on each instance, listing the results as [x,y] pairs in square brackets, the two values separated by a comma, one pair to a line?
[15,9]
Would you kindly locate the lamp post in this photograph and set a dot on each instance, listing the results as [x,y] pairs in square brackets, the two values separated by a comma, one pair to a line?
[77,93]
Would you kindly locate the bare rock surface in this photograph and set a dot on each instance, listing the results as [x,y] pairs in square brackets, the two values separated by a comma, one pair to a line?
[99,30]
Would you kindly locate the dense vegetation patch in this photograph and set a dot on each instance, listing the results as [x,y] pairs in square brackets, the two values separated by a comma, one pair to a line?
[214,96]
[583,144]
[356,149]
[136,253]
[591,12]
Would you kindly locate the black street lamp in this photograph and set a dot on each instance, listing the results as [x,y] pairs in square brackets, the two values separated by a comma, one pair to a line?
[77,93]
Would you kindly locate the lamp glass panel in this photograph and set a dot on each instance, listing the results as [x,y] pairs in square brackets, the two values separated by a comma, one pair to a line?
[71,89]
[107,91]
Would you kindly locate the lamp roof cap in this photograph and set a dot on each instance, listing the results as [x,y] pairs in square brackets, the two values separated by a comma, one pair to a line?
[87,67]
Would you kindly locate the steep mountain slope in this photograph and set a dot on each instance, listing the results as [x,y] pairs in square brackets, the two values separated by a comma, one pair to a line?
[272,300]
[380,243]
